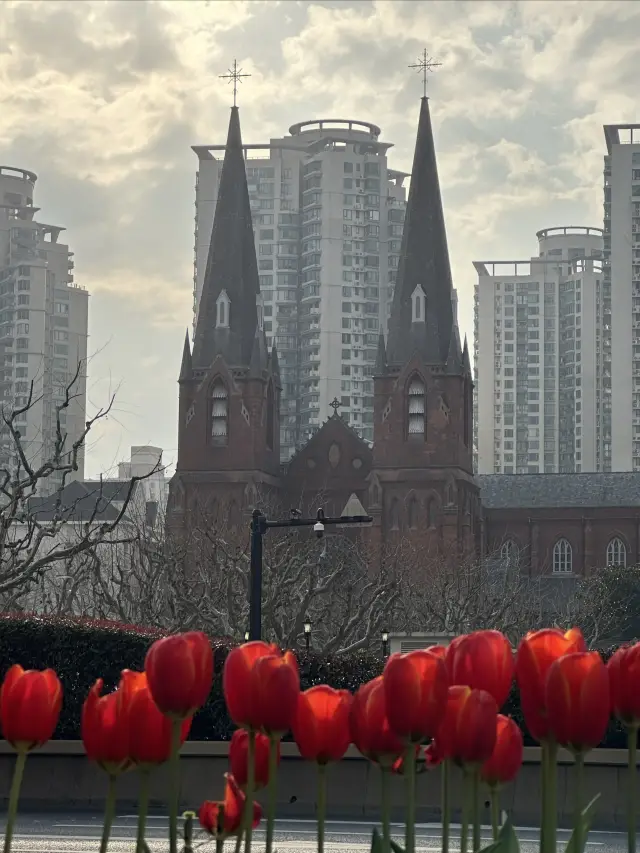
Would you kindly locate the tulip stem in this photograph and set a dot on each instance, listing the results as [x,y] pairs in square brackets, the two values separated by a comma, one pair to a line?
[174,772]
[552,796]
[322,804]
[410,773]
[544,800]
[272,790]
[475,808]
[143,808]
[14,796]
[578,801]
[632,741]
[385,783]
[109,813]
[446,804]
[464,823]
[251,784]
[494,796]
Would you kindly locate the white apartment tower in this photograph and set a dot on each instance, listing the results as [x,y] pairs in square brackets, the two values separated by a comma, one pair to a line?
[328,214]
[541,358]
[622,291]
[43,325]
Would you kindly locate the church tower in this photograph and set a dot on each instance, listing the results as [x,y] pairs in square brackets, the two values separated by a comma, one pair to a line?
[421,483]
[229,386]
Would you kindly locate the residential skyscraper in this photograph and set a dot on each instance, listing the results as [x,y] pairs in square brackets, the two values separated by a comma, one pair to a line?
[622,293]
[43,327]
[327,214]
[540,358]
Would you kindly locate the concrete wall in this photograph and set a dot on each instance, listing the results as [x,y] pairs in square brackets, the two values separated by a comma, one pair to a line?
[59,775]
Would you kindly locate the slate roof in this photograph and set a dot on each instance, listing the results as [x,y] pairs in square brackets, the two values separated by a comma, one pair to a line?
[530,491]
[424,260]
[81,498]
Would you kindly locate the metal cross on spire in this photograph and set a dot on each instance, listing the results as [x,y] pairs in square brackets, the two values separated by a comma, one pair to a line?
[235,74]
[424,64]
[335,405]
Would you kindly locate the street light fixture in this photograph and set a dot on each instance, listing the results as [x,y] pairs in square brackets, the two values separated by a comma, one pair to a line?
[259,526]
[307,633]
[385,642]
[246,636]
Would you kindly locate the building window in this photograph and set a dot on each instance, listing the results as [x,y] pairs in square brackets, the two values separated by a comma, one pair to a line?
[562,557]
[219,412]
[412,515]
[432,512]
[416,405]
[616,552]
[394,515]
[270,416]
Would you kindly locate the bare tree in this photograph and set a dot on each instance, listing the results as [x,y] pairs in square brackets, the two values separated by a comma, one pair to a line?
[42,533]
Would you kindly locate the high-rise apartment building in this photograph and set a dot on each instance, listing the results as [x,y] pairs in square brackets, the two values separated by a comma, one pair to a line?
[328,215]
[541,358]
[43,327]
[622,292]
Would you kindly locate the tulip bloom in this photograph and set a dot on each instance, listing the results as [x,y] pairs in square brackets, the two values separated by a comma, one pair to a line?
[484,661]
[239,759]
[30,703]
[506,758]
[624,681]
[105,722]
[321,727]
[370,729]
[468,733]
[261,687]
[223,819]
[578,700]
[150,729]
[536,653]
[415,688]
[180,672]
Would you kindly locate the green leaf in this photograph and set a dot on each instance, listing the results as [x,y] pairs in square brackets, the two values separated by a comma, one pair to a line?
[396,847]
[376,842]
[586,820]
[507,840]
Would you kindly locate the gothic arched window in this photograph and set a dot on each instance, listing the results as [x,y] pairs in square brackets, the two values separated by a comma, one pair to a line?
[416,402]
[562,557]
[432,512]
[412,514]
[219,412]
[394,515]
[616,552]
[508,553]
[271,415]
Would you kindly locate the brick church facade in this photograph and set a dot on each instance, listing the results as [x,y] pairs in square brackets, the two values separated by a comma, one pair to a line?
[416,480]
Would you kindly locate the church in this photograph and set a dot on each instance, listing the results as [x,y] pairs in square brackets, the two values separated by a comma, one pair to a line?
[416,479]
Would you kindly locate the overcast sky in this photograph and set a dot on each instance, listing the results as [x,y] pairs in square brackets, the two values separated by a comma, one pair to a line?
[104,99]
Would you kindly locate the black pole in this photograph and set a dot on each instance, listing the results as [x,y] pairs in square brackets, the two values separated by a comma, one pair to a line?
[307,639]
[255,588]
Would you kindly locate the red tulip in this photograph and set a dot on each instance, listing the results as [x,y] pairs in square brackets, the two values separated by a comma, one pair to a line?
[450,655]
[624,682]
[370,729]
[180,671]
[105,722]
[223,819]
[30,703]
[536,653]
[264,696]
[321,726]
[433,755]
[150,729]
[398,765]
[239,759]
[438,651]
[506,758]
[468,733]
[484,661]
[415,687]
[578,700]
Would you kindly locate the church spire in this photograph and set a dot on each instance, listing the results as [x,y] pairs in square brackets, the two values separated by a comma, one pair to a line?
[186,368]
[227,315]
[424,261]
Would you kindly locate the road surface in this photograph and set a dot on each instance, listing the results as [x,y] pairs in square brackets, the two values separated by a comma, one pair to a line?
[77,833]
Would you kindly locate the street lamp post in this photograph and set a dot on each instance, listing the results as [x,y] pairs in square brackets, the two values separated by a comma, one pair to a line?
[307,633]
[259,526]
[385,643]
[246,636]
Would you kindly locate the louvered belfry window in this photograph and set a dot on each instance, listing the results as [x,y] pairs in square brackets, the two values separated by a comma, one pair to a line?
[219,412]
[416,402]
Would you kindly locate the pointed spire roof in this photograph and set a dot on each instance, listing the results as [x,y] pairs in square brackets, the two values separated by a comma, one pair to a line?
[424,260]
[259,356]
[381,356]
[186,368]
[275,364]
[231,265]
[466,362]
[454,358]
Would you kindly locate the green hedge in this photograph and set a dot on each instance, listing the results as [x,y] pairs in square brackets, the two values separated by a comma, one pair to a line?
[82,650]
